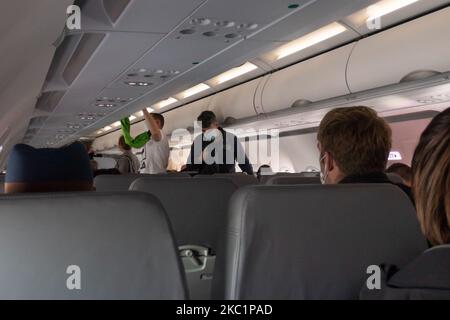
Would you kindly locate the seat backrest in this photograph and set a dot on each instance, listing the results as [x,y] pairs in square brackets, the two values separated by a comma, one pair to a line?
[114,182]
[313,241]
[197,208]
[395,178]
[239,179]
[122,244]
[2,183]
[285,180]
[122,182]
[266,177]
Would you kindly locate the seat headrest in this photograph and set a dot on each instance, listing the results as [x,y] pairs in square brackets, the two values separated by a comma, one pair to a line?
[48,170]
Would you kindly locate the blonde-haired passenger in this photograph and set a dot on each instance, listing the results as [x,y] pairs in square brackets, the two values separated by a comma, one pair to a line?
[428,276]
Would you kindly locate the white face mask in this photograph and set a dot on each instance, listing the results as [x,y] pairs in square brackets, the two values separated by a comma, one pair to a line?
[324,174]
[211,134]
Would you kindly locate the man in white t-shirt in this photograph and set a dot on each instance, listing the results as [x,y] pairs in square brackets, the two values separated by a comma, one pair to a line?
[156,144]
[157,149]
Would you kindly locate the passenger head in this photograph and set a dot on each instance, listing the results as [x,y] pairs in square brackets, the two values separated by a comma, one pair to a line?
[159,118]
[48,170]
[88,145]
[352,141]
[403,171]
[265,169]
[123,146]
[431,179]
[208,120]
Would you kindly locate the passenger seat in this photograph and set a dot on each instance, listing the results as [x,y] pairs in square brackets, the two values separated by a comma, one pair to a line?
[286,180]
[197,209]
[87,246]
[239,179]
[313,241]
[122,182]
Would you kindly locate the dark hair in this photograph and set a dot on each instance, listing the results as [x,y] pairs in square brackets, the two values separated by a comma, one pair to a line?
[357,138]
[159,117]
[207,118]
[122,144]
[431,179]
[401,169]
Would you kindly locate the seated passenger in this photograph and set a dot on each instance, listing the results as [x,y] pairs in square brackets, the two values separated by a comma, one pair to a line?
[263,170]
[428,276]
[203,157]
[48,170]
[354,145]
[88,145]
[403,171]
[127,161]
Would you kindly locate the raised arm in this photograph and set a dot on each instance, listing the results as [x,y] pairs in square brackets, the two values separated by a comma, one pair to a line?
[137,142]
[153,126]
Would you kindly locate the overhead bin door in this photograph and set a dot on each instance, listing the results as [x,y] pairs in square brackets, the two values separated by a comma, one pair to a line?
[237,102]
[316,79]
[386,58]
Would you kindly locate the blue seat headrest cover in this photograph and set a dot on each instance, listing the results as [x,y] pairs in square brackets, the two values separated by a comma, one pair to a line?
[59,166]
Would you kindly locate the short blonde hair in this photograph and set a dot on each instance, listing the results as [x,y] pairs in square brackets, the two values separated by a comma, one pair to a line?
[431,179]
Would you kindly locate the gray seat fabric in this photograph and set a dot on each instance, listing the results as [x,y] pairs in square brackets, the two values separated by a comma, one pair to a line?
[197,209]
[113,182]
[286,180]
[265,178]
[239,179]
[122,243]
[394,178]
[2,183]
[313,242]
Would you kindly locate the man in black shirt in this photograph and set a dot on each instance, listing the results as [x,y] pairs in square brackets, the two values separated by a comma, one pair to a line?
[216,150]
[354,145]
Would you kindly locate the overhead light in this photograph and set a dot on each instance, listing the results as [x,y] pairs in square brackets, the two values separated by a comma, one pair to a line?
[385,7]
[107,128]
[105,105]
[132,118]
[99,131]
[165,103]
[235,72]
[1,148]
[195,90]
[116,124]
[310,40]
[138,84]
[139,114]
[150,110]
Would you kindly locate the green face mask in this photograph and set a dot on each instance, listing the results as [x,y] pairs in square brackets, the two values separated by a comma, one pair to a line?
[139,141]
